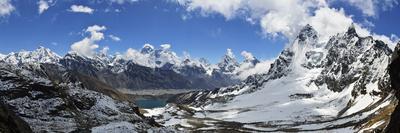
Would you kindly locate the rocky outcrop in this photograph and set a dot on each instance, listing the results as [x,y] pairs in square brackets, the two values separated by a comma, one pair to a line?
[394,71]
[10,122]
[49,99]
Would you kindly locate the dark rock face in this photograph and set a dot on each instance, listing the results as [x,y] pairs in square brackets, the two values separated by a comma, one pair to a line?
[394,71]
[347,51]
[307,32]
[10,122]
[281,65]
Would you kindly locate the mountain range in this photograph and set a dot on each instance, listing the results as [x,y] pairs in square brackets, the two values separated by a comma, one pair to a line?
[347,84]
[148,68]
[342,85]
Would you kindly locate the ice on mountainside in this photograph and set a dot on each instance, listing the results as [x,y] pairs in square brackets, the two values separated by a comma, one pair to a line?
[340,82]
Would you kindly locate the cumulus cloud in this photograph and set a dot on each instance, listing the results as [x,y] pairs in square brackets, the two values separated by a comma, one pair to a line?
[287,17]
[139,58]
[81,9]
[88,45]
[227,8]
[247,55]
[274,16]
[43,5]
[133,54]
[6,7]
[114,38]
[260,68]
[329,21]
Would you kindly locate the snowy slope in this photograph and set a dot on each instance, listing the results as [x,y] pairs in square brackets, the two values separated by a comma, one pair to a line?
[2,56]
[310,82]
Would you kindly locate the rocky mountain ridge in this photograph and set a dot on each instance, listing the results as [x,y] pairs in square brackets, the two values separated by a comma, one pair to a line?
[342,84]
[148,69]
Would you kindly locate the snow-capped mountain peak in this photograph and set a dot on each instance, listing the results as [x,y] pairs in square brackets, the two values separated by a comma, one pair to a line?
[147,49]
[228,62]
[40,55]
[305,53]
[340,81]
[2,56]
[307,33]
[249,58]
[351,31]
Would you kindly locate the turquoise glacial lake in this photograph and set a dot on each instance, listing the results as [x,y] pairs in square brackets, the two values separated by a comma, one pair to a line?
[151,103]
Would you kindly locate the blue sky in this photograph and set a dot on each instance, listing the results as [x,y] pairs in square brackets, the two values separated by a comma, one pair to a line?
[203,33]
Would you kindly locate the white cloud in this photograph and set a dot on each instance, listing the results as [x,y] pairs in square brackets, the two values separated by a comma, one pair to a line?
[366,6]
[95,32]
[43,5]
[123,1]
[105,50]
[247,55]
[165,46]
[287,17]
[372,7]
[132,54]
[6,7]
[88,45]
[260,68]
[114,38]
[328,21]
[81,9]
[274,16]
[139,58]
[227,8]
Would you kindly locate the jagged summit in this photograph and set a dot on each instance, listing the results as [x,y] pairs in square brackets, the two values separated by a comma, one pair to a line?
[228,62]
[147,49]
[312,85]
[308,32]
[40,55]
[352,30]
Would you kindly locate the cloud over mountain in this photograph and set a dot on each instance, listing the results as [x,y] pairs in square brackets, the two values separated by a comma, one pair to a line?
[88,45]
[287,17]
